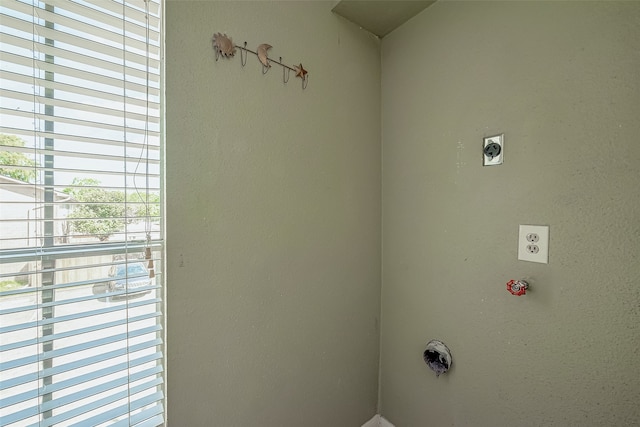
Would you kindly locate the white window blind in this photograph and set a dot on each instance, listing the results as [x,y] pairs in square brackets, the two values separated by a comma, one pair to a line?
[81,237]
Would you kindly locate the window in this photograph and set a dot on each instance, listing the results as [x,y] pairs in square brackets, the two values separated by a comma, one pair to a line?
[81,231]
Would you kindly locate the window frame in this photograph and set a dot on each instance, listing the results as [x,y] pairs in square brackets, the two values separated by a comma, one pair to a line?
[43,256]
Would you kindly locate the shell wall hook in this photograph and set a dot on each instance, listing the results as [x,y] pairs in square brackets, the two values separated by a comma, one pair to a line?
[223,46]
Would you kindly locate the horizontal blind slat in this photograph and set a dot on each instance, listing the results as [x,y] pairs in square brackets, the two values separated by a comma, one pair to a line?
[79,122]
[100,141]
[117,412]
[102,357]
[20,416]
[62,10]
[47,338]
[140,72]
[58,188]
[17,24]
[99,342]
[121,367]
[86,108]
[108,415]
[147,400]
[27,360]
[76,316]
[97,389]
[80,155]
[115,84]
[132,13]
[155,421]
[107,51]
[82,172]
[22,379]
[146,417]
[19,398]
[99,373]
[79,410]
[97,13]
[97,95]
[69,251]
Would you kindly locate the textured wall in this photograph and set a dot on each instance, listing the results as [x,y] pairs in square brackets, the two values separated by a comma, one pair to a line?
[273,219]
[561,80]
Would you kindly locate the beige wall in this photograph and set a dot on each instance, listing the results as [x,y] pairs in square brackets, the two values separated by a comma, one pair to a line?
[561,80]
[273,219]
[274,214]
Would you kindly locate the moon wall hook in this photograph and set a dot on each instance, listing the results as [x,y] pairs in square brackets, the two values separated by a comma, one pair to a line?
[224,47]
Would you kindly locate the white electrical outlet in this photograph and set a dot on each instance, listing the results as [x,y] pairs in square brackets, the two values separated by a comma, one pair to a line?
[493,150]
[533,243]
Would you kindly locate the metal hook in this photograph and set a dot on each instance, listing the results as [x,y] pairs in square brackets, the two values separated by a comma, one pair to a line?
[243,61]
[265,68]
[305,81]
[285,72]
[213,45]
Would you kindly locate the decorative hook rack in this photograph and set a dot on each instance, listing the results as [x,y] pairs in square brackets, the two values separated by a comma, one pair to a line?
[224,47]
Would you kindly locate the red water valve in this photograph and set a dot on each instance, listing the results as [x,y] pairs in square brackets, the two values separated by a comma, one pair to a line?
[517,287]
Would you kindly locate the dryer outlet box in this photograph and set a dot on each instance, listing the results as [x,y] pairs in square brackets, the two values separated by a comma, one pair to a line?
[493,150]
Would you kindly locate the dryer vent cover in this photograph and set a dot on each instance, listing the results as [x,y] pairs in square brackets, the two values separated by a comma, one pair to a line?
[437,357]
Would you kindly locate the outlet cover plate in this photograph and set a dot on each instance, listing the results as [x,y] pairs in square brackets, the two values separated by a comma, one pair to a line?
[492,156]
[533,243]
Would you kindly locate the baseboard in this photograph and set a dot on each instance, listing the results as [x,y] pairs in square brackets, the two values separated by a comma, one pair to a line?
[373,422]
[377,421]
[385,423]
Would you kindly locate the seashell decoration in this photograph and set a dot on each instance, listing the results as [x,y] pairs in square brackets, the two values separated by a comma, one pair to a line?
[223,45]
